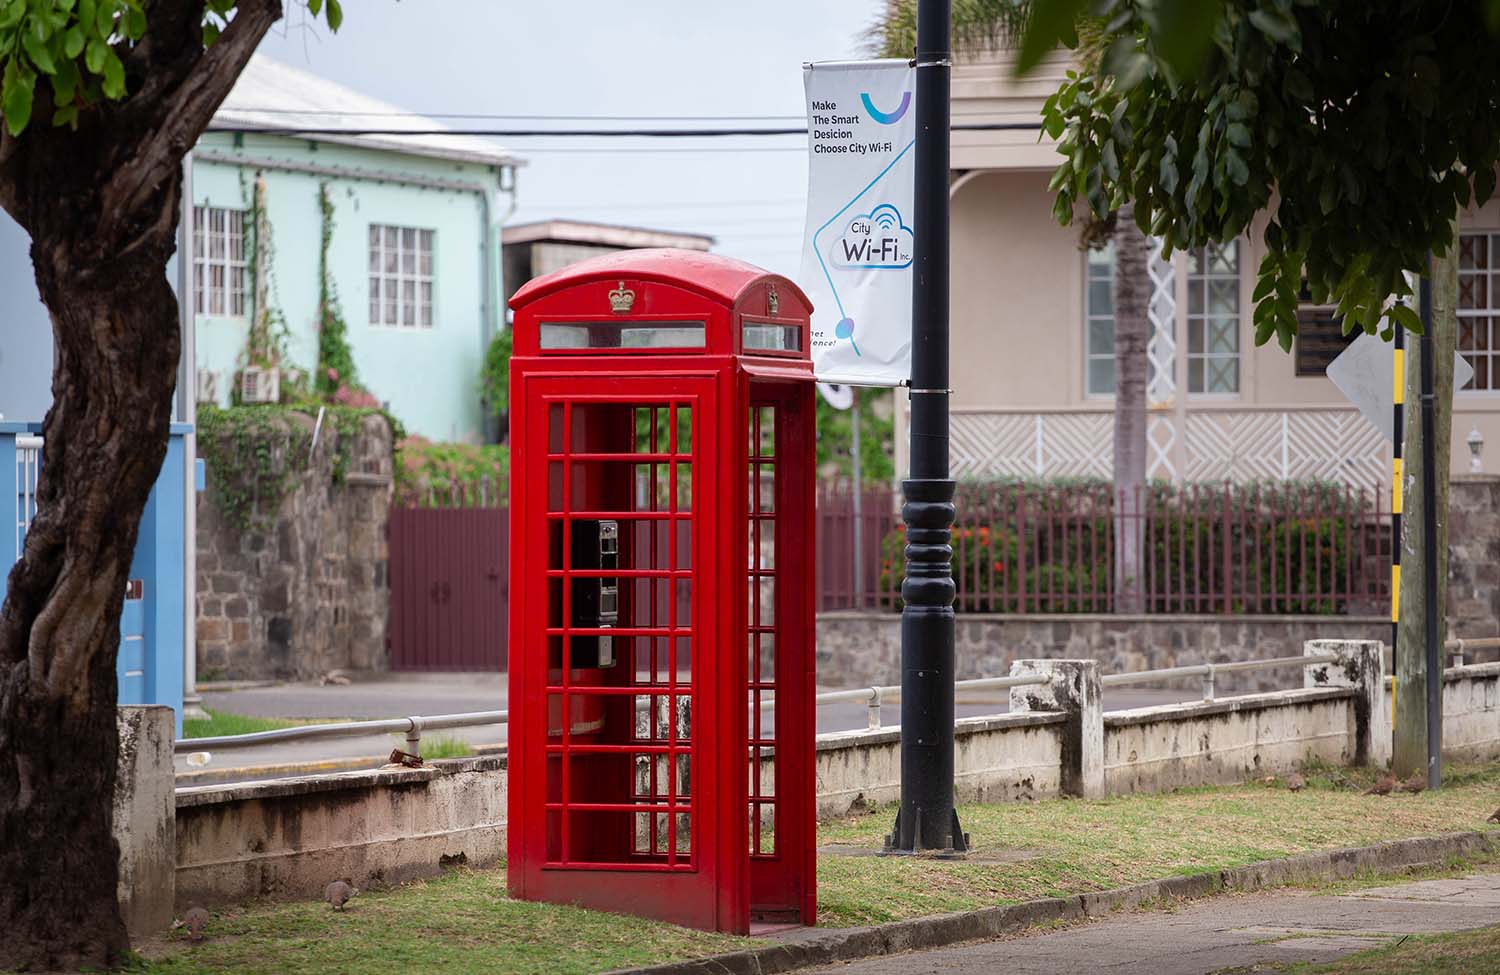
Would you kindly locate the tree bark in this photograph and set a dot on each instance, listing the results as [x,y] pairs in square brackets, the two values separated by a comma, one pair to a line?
[116,336]
[100,204]
[1410,751]
[1132,291]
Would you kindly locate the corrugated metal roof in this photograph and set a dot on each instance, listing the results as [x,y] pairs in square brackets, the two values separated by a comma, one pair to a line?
[272,95]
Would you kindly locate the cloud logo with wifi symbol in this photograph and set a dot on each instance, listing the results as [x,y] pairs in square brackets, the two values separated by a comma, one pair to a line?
[878,239]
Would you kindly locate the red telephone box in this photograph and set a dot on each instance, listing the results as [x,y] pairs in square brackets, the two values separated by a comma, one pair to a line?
[661,558]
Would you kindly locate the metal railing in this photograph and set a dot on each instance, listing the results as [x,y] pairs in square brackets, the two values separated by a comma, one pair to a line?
[412,727]
[1021,548]
[1209,671]
[872,697]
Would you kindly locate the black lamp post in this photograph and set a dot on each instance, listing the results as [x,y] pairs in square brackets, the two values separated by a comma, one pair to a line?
[927,820]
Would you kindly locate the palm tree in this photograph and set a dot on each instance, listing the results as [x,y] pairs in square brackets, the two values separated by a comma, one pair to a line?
[981,23]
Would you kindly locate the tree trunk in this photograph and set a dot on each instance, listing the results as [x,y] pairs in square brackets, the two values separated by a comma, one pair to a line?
[1132,292]
[115,328]
[100,201]
[1410,753]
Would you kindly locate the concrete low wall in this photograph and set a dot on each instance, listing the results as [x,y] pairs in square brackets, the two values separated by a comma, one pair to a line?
[289,838]
[864,649]
[1225,741]
[142,817]
[996,759]
[1471,712]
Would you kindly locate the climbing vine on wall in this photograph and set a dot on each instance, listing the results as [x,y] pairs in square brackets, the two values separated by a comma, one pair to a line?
[335,358]
[254,455]
[265,345]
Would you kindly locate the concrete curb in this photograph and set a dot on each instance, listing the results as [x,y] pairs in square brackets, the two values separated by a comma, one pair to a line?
[990,922]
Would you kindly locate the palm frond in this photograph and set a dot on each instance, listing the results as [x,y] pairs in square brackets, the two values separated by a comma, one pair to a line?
[976,24]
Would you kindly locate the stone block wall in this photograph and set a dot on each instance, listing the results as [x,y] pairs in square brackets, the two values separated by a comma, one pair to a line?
[864,649]
[1474,556]
[304,591]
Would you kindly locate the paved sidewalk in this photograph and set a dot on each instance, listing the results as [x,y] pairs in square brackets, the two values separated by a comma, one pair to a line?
[1231,932]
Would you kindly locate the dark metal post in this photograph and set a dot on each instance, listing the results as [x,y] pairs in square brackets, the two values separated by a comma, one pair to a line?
[1429,545]
[926,820]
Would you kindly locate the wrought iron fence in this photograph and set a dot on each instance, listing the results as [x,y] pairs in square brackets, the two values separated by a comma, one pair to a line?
[1293,548]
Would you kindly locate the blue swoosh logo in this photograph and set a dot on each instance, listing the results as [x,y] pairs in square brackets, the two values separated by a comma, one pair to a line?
[886,118]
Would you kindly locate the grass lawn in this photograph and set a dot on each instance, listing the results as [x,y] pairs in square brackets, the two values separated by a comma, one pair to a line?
[464,922]
[224,723]
[1464,953]
[1080,846]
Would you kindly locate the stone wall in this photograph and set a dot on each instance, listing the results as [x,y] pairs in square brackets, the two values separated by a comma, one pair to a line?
[304,591]
[864,649]
[1474,556]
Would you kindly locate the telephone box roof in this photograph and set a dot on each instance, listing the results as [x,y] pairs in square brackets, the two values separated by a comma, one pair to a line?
[713,275]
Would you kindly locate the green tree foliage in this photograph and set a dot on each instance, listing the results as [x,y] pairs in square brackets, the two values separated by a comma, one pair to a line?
[876,436]
[75,46]
[494,375]
[1361,128]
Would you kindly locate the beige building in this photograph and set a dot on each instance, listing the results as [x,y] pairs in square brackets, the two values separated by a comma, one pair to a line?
[1033,367]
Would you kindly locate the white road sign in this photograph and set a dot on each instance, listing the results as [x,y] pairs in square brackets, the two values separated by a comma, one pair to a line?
[1363,373]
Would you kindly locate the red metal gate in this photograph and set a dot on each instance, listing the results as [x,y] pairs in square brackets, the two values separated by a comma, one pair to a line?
[450,588]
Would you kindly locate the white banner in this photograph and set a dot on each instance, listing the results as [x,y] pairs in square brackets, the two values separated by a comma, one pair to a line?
[857,247]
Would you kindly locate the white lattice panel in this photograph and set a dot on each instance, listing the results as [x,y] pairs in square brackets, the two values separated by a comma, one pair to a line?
[1161,348]
[1161,437]
[1233,445]
[1336,446]
[1078,445]
[992,445]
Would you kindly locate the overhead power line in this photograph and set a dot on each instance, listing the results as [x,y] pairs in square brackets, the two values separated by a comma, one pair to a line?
[480,116]
[674,133]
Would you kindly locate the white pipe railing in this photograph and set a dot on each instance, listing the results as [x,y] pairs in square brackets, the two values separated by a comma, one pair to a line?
[872,697]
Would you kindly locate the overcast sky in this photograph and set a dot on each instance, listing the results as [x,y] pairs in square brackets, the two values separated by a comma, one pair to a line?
[612,58]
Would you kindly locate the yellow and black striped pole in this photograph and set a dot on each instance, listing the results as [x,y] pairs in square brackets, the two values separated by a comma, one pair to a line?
[1398,402]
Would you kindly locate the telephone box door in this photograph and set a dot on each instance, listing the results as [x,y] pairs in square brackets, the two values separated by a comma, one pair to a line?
[617,737]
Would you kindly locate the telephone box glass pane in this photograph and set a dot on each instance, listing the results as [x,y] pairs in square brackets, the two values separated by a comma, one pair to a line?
[758,337]
[621,611]
[623,335]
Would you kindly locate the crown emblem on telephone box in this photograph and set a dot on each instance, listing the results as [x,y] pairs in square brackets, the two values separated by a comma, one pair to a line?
[622,299]
[773,301]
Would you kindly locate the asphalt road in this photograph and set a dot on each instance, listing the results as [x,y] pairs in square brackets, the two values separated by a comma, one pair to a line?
[398,695]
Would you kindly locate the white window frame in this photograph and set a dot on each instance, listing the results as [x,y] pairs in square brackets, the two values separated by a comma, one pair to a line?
[1487,315]
[402,276]
[220,250]
[1202,279]
[1098,267]
[1184,320]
